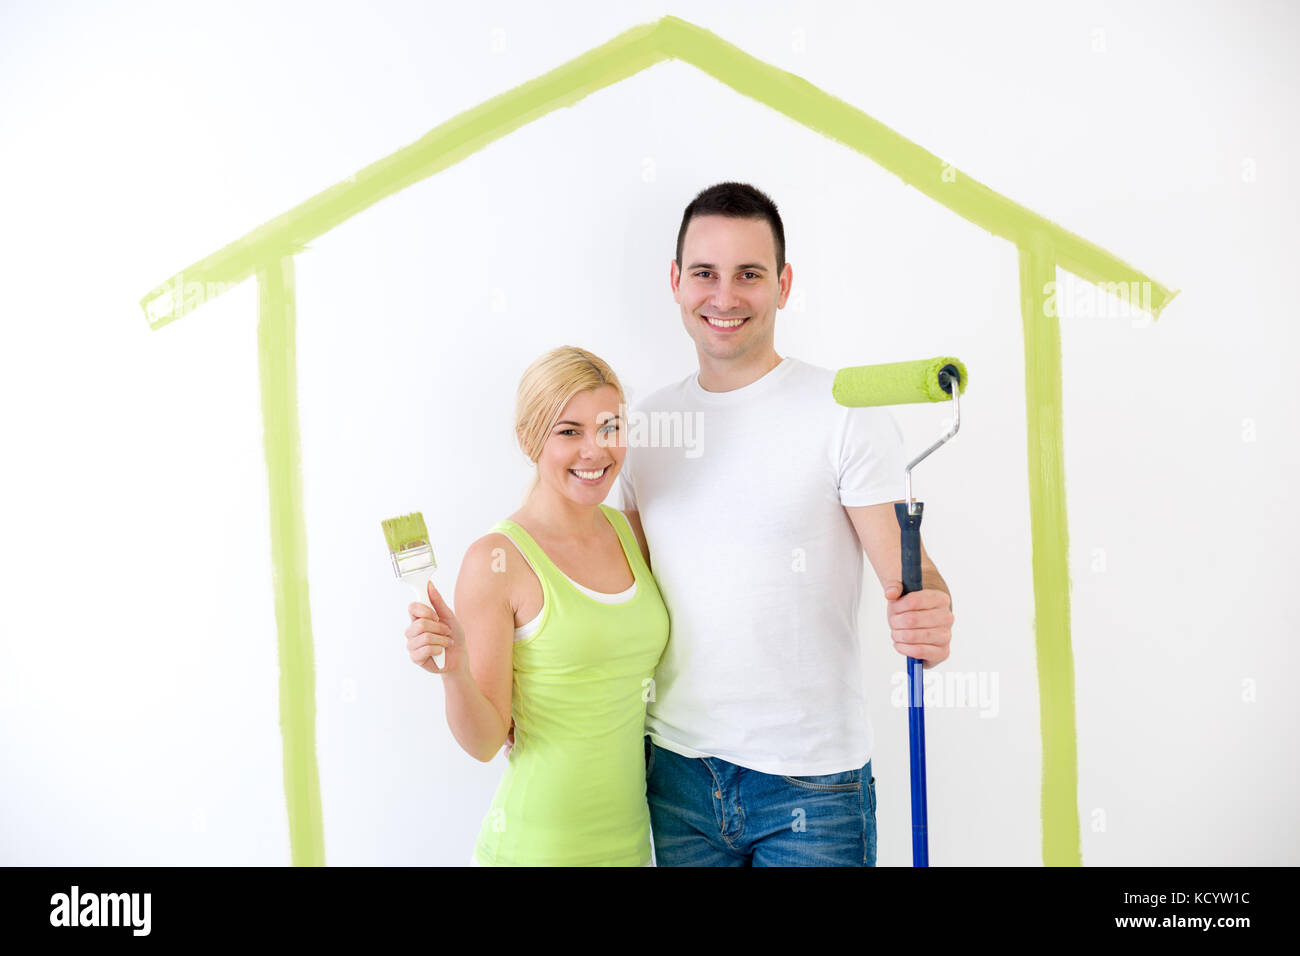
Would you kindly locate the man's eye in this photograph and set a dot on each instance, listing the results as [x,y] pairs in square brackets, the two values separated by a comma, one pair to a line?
[754,274]
[701,274]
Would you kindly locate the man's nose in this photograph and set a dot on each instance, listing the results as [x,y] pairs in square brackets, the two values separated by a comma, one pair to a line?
[724,296]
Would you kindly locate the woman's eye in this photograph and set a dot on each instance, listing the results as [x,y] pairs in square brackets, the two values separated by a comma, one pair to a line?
[574,431]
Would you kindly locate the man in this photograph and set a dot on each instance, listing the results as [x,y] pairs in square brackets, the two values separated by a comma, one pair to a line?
[758,740]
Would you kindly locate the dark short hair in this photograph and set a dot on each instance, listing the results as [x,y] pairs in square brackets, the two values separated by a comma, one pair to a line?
[739,201]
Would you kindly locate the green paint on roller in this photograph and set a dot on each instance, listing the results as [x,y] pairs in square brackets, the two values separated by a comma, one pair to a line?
[1047,519]
[277,357]
[896,383]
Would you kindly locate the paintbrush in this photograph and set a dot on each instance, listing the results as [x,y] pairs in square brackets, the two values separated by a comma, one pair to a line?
[412,556]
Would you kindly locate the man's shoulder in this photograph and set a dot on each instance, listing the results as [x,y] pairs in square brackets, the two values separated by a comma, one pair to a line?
[812,383]
[812,396]
[669,393]
[808,371]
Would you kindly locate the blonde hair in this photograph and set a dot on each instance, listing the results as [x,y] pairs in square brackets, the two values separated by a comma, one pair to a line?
[546,387]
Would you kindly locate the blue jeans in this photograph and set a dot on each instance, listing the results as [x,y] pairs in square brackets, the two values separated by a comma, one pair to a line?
[705,811]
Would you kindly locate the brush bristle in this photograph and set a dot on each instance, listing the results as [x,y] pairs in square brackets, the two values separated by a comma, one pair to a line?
[405,532]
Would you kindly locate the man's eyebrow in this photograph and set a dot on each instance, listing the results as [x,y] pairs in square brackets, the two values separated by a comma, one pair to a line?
[758,266]
[579,424]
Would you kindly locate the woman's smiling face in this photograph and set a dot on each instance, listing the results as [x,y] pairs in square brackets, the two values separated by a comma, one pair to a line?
[585,449]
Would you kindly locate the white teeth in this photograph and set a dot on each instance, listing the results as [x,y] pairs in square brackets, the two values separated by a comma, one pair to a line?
[724,323]
[589,475]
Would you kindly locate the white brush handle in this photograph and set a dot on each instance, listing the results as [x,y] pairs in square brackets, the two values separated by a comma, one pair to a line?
[419,583]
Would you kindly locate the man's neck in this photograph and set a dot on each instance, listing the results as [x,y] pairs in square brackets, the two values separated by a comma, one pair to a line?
[718,376]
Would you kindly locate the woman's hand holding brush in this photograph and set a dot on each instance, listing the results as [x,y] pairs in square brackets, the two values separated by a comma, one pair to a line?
[434,627]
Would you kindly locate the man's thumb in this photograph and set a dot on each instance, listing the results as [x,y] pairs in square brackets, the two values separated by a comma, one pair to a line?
[893,590]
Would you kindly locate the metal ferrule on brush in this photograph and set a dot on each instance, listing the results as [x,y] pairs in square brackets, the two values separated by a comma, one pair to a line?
[413,561]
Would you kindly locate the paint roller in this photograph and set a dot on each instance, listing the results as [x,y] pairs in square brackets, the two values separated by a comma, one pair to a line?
[903,383]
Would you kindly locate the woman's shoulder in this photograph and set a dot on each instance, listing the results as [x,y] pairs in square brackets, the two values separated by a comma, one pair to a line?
[490,571]
[487,553]
[497,553]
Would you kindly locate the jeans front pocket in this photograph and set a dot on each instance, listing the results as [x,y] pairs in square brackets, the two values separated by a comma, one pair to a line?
[845,780]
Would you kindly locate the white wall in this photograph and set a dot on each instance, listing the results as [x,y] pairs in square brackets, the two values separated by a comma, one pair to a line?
[139,714]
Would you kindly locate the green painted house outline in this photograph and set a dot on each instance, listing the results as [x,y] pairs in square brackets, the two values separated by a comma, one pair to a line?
[268,252]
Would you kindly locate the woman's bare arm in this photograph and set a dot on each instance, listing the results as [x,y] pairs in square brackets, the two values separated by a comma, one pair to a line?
[478,697]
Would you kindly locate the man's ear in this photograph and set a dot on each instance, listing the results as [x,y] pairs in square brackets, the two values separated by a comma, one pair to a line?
[786,279]
[674,276]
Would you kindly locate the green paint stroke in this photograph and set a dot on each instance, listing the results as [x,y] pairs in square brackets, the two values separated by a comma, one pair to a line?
[625,55]
[1042,331]
[277,358]
[267,252]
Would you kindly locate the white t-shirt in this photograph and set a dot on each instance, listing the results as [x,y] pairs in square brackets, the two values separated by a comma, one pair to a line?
[742,497]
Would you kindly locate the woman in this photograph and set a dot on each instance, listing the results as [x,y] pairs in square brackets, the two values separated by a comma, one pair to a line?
[560,627]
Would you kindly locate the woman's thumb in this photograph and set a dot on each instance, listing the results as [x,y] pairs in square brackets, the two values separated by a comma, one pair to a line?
[438,604]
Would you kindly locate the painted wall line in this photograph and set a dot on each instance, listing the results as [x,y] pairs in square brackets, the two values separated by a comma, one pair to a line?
[606,65]
[916,166]
[1048,530]
[277,362]
[445,145]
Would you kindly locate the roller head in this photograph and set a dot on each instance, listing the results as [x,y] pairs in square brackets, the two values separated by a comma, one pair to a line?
[899,383]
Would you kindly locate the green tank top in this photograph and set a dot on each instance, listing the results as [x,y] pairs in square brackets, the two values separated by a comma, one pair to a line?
[573,793]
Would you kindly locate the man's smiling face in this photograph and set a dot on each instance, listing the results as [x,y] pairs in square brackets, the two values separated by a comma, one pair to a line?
[728,273]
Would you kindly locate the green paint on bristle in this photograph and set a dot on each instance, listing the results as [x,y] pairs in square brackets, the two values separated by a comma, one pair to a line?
[405,532]
[895,383]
